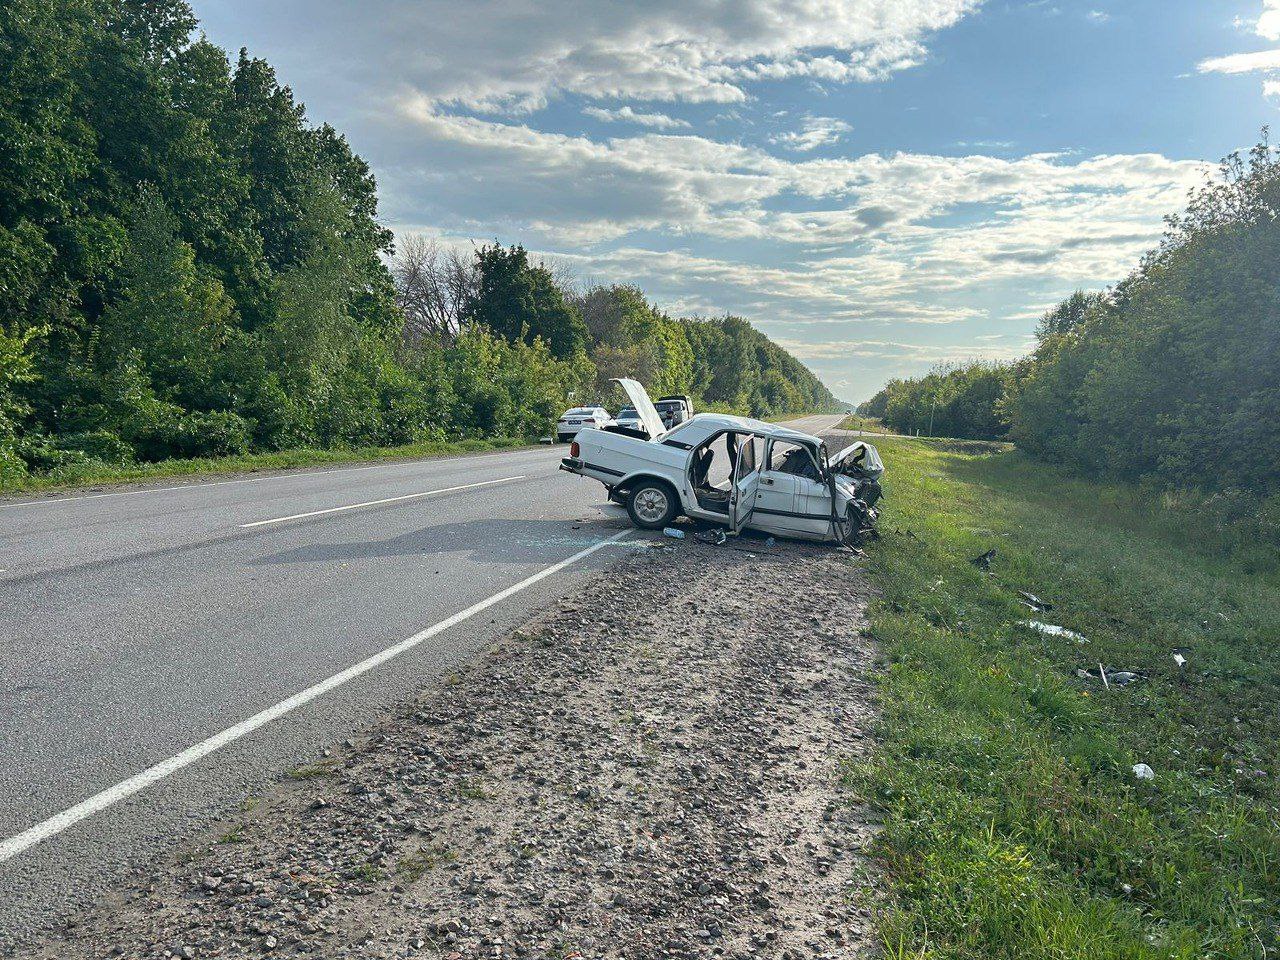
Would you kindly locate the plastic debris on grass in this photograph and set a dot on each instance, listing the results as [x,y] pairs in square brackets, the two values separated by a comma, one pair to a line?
[1053,630]
[1143,772]
[1111,677]
[1034,602]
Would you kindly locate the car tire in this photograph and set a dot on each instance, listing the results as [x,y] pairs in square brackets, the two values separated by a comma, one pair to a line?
[652,504]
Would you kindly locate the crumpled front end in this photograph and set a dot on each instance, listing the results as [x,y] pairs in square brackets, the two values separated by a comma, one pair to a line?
[856,513]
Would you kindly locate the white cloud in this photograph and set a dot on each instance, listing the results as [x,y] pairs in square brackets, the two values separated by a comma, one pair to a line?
[840,246]
[1259,61]
[656,121]
[515,57]
[1241,62]
[814,132]
[1268,25]
[574,190]
[1098,16]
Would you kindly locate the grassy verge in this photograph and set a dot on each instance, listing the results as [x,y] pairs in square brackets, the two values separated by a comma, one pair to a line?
[102,474]
[1014,823]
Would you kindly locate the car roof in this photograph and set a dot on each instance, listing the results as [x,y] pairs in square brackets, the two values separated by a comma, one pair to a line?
[715,422]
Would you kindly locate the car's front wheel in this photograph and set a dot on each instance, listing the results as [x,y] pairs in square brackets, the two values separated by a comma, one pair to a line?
[652,505]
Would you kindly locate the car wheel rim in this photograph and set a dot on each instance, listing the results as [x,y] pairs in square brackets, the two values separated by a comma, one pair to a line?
[651,505]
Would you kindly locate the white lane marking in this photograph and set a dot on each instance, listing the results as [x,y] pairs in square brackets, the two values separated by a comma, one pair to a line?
[373,503]
[283,473]
[14,845]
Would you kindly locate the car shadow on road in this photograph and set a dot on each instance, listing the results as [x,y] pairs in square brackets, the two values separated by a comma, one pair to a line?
[496,541]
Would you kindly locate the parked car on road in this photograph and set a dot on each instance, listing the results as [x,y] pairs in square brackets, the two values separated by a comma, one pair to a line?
[629,419]
[735,471]
[573,420]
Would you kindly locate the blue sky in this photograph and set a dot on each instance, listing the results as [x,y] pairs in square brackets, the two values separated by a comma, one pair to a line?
[880,185]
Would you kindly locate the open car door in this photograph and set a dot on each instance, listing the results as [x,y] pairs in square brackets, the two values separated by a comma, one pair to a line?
[746,483]
[639,398]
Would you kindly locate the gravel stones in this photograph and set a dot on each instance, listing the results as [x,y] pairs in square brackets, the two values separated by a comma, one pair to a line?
[649,769]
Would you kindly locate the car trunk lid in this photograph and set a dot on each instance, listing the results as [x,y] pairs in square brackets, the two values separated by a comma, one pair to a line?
[639,398]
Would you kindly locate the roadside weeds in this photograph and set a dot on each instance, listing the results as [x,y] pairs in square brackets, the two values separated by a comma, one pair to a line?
[1102,786]
[82,479]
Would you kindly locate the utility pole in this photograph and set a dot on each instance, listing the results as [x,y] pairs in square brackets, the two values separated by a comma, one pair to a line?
[931,410]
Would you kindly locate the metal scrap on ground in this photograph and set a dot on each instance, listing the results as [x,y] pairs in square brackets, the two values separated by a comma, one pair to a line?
[1053,630]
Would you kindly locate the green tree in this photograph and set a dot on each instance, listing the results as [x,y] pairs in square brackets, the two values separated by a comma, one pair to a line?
[522,302]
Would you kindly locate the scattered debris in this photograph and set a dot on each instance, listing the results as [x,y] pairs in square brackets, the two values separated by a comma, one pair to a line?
[983,562]
[1143,772]
[1053,630]
[673,533]
[715,536]
[1034,602]
[1111,678]
[1180,659]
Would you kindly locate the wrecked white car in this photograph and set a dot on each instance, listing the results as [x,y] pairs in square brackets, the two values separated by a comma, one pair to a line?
[734,471]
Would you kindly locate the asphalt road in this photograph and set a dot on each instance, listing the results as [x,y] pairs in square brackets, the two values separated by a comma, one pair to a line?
[138,626]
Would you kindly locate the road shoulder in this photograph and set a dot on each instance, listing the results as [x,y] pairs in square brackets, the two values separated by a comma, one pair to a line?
[650,769]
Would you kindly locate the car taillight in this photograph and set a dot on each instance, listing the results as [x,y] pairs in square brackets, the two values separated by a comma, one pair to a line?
[573,449]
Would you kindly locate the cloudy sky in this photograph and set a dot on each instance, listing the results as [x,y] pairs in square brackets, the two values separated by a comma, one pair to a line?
[877,184]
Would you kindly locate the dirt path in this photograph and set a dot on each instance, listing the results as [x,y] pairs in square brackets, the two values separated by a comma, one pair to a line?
[649,771]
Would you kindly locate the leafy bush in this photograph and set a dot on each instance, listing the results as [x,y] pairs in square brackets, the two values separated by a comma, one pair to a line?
[1173,375]
[954,400]
[100,445]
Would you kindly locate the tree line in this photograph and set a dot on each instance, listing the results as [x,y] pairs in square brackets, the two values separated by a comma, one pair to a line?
[188,267]
[1171,377]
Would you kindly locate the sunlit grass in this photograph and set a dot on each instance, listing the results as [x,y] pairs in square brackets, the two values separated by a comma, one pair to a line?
[1014,826]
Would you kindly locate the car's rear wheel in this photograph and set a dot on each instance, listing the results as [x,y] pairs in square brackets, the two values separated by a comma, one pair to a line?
[652,504]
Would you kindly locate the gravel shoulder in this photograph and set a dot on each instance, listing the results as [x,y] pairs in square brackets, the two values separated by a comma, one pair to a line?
[651,769]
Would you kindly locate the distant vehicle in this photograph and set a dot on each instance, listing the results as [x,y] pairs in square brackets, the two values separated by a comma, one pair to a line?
[628,419]
[573,420]
[735,471]
[674,410]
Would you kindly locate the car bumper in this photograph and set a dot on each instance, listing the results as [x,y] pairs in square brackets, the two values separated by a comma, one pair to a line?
[571,465]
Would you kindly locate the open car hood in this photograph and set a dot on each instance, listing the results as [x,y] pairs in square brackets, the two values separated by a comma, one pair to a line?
[639,398]
[859,456]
